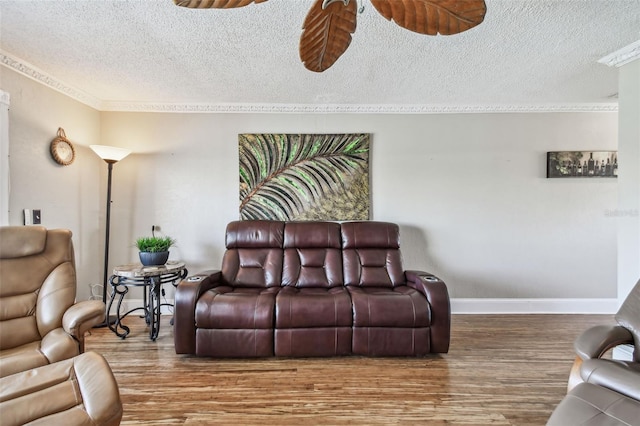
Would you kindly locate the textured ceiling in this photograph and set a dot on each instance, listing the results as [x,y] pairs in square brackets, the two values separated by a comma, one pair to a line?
[151,52]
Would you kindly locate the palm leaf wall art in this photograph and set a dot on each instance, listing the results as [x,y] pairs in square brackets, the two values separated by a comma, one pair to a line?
[304,176]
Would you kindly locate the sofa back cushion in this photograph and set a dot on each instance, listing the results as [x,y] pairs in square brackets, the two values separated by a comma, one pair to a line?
[254,253]
[312,256]
[371,254]
[37,282]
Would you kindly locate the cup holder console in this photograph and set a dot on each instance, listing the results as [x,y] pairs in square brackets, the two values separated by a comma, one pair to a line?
[195,278]
[430,278]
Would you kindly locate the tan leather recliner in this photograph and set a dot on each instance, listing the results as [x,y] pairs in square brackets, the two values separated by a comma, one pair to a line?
[40,323]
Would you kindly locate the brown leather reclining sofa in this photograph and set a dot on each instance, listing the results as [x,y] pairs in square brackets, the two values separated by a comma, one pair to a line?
[311,289]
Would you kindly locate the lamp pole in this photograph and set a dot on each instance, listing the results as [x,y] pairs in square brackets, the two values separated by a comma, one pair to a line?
[110,164]
[110,155]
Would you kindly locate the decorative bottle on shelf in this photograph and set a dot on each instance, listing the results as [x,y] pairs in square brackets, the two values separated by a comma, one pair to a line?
[615,167]
[591,165]
[607,168]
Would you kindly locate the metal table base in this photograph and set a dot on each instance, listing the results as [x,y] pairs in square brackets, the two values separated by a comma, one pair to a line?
[151,279]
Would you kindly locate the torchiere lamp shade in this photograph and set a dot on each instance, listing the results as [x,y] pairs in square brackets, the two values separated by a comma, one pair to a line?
[110,153]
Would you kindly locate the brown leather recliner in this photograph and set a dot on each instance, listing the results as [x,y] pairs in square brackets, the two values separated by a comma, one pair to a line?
[40,323]
[392,310]
[313,310]
[236,315]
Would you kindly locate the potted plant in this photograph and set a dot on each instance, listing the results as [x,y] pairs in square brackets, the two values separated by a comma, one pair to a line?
[154,250]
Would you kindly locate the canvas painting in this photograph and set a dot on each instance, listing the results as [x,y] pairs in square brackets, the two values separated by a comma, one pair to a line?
[590,164]
[304,176]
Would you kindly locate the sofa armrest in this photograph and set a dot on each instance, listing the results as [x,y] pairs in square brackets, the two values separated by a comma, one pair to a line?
[82,317]
[435,290]
[620,376]
[187,294]
[592,344]
[595,341]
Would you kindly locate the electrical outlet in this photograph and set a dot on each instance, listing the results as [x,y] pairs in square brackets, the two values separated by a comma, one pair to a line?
[37,219]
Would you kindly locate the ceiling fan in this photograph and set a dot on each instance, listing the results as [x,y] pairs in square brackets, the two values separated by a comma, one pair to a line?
[329,24]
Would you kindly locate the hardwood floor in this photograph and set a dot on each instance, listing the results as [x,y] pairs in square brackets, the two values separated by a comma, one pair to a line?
[500,370]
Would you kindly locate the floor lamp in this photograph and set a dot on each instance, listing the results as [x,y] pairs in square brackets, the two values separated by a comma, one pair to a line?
[110,155]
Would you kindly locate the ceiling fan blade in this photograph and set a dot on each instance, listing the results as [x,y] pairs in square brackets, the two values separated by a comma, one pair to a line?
[327,33]
[433,17]
[215,4]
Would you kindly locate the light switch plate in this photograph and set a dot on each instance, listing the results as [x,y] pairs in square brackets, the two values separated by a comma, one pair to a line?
[32,217]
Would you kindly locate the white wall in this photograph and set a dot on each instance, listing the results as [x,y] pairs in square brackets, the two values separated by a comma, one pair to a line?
[629,186]
[67,195]
[469,192]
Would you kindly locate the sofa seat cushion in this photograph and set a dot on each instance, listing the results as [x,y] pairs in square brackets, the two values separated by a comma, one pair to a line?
[22,358]
[400,306]
[592,405]
[227,307]
[313,307]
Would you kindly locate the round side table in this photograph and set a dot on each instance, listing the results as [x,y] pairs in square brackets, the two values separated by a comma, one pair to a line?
[151,278]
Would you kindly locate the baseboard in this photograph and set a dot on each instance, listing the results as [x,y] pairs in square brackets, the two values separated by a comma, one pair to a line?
[533,306]
[485,306]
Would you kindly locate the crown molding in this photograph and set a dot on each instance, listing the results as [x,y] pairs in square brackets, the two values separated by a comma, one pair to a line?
[353,108]
[622,56]
[30,71]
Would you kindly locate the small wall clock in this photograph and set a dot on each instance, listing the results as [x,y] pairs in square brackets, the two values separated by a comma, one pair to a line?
[62,149]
